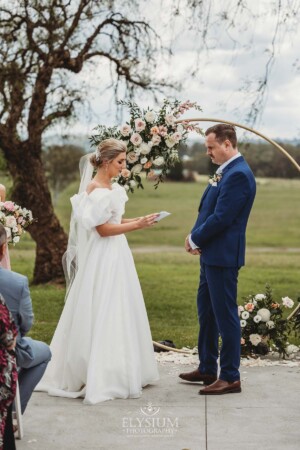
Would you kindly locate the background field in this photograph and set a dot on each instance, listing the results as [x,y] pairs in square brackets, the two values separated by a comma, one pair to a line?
[169,277]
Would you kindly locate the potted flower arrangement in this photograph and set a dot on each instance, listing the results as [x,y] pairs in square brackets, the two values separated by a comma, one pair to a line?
[152,138]
[263,325]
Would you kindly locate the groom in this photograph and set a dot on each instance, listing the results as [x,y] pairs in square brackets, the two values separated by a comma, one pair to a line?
[219,237]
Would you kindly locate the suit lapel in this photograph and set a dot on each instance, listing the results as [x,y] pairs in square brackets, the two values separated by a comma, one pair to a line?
[204,195]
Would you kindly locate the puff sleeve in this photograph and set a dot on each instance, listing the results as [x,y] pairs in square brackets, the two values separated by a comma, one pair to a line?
[92,209]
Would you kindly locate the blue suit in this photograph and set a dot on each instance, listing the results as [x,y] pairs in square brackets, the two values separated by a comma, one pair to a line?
[32,356]
[219,232]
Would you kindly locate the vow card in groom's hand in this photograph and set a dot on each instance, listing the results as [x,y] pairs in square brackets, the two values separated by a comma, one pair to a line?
[162,215]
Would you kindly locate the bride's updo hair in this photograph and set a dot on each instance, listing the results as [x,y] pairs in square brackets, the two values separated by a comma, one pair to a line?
[107,151]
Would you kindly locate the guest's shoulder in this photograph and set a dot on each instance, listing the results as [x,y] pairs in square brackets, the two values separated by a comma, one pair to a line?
[13,277]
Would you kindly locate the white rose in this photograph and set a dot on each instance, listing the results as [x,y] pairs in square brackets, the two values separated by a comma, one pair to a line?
[10,221]
[176,136]
[144,160]
[137,168]
[16,239]
[150,116]
[140,125]
[126,187]
[136,139]
[257,319]
[243,323]
[245,315]
[265,314]
[8,232]
[169,141]
[270,324]
[125,130]
[255,339]
[260,297]
[170,119]
[145,148]
[132,183]
[291,349]
[156,139]
[287,302]
[159,161]
[240,310]
[132,157]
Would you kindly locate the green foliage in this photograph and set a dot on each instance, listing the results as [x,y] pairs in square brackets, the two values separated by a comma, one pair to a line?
[272,333]
[61,166]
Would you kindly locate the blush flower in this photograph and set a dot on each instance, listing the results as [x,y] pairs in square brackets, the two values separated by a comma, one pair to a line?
[9,206]
[140,125]
[156,139]
[249,307]
[125,130]
[288,302]
[136,139]
[148,165]
[132,157]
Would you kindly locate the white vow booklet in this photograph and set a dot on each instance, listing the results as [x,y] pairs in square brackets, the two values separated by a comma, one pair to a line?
[162,215]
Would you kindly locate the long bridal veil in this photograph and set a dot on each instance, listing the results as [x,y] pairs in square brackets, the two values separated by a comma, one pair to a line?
[77,234]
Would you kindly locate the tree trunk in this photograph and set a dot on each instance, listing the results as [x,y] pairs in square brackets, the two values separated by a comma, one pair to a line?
[32,192]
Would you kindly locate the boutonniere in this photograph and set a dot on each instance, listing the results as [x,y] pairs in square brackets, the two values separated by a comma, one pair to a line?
[215,179]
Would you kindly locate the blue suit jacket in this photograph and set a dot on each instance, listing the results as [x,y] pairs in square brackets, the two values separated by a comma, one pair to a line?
[223,215]
[15,291]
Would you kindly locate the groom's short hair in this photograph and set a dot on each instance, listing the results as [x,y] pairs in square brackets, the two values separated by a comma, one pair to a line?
[223,131]
[3,235]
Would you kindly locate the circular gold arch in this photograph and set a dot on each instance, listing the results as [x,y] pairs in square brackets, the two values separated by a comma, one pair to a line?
[209,119]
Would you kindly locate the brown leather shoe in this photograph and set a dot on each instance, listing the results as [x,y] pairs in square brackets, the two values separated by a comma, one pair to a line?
[220,387]
[197,376]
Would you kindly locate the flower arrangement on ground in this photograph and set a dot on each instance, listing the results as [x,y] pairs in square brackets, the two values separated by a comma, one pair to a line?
[262,323]
[15,219]
[152,138]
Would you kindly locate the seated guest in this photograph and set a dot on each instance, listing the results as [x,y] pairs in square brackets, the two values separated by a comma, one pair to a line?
[5,262]
[32,356]
[8,376]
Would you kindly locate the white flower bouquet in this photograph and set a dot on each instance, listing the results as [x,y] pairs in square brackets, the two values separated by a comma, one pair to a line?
[15,219]
[262,324]
[152,138]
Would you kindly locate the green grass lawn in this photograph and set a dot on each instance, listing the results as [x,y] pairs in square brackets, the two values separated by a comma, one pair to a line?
[170,279]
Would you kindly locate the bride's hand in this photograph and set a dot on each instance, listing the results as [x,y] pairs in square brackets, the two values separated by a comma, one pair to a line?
[147,221]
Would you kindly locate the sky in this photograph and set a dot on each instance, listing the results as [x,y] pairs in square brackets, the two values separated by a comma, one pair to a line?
[235,58]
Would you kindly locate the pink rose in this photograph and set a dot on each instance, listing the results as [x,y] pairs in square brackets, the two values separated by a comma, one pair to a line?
[249,307]
[10,206]
[140,125]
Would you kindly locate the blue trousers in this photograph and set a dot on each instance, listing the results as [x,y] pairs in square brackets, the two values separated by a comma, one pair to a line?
[218,315]
[31,372]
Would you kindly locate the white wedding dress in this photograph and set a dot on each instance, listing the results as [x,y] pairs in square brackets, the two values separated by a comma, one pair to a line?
[102,347]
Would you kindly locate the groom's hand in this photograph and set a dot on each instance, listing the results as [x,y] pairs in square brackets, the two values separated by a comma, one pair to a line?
[189,249]
[187,245]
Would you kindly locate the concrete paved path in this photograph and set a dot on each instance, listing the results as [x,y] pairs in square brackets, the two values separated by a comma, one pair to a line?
[172,416]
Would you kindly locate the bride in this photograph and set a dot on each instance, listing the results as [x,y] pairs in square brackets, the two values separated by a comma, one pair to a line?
[102,347]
